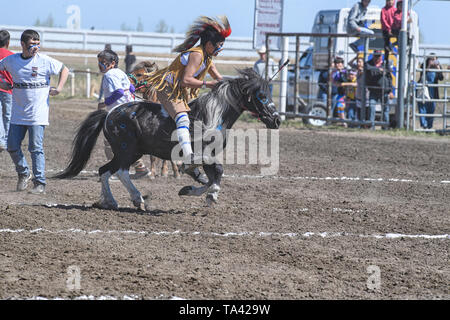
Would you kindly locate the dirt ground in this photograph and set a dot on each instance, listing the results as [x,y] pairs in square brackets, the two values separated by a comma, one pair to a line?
[342,205]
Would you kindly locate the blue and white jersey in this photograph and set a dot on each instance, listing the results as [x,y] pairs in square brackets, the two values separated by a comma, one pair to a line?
[113,80]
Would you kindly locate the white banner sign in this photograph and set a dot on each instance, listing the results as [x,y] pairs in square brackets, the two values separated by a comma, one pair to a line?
[268,18]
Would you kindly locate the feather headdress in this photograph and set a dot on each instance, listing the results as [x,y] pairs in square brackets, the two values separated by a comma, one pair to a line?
[203,23]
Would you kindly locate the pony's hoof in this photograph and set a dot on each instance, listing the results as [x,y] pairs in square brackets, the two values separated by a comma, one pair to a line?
[213,189]
[185,191]
[139,204]
[211,199]
[202,178]
[147,206]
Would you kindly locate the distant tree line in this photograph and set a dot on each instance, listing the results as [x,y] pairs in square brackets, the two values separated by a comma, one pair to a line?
[161,27]
[49,22]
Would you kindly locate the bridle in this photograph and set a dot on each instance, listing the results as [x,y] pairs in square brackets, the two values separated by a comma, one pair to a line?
[139,85]
[251,98]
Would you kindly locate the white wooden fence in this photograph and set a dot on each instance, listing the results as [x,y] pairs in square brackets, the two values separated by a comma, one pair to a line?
[59,38]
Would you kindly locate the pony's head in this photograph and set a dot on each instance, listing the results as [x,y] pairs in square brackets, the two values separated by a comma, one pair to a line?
[138,77]
[257,98]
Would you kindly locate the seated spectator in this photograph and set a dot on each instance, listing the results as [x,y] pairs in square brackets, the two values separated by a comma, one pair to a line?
[356,23]
[379,84]
[431,77]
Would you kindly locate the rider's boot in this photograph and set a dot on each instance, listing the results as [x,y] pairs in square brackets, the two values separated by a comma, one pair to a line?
[191,160]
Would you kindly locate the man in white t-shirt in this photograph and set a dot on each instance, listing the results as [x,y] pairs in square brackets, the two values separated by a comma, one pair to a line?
[260,66]
[31,73]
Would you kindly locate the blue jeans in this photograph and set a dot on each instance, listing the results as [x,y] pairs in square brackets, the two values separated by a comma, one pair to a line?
[426,108]
[35,147]
[5,117]
[373,100]
[360,42]
[352,112]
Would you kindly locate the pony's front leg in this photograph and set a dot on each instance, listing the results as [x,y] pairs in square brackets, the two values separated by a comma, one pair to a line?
[136,197]
[214,173]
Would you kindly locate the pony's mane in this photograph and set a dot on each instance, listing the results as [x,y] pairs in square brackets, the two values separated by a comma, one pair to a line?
[148,65]
[226,95]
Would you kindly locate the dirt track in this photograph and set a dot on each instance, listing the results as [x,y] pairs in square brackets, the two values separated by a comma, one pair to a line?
[308,233]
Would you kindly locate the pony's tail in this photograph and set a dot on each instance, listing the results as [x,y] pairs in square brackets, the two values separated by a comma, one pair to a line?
[83,144]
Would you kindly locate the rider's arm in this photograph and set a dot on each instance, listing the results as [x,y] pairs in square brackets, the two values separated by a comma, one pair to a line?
[188,80]
[116,95]
[215,73]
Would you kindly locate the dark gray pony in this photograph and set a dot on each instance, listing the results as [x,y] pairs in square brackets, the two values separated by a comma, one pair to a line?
[137,128]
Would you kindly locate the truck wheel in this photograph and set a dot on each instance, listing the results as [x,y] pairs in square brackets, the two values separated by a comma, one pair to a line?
[318,109]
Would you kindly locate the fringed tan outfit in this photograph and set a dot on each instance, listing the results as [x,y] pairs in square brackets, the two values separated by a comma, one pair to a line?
[167,83]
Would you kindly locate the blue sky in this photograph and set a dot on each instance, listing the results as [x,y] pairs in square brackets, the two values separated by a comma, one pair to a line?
[298,14]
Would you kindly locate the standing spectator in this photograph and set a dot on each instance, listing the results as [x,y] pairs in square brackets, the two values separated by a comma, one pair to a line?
[361,90]
[387,19]
[130,59]
[5,95]
[322,94]
[118,90]
[350,95]
[260,66]
[397,21]
[431,77]
[379,84]
[356,23]
[31,73]
[339,76]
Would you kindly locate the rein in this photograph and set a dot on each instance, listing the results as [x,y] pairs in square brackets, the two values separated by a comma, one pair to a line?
[138,85]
